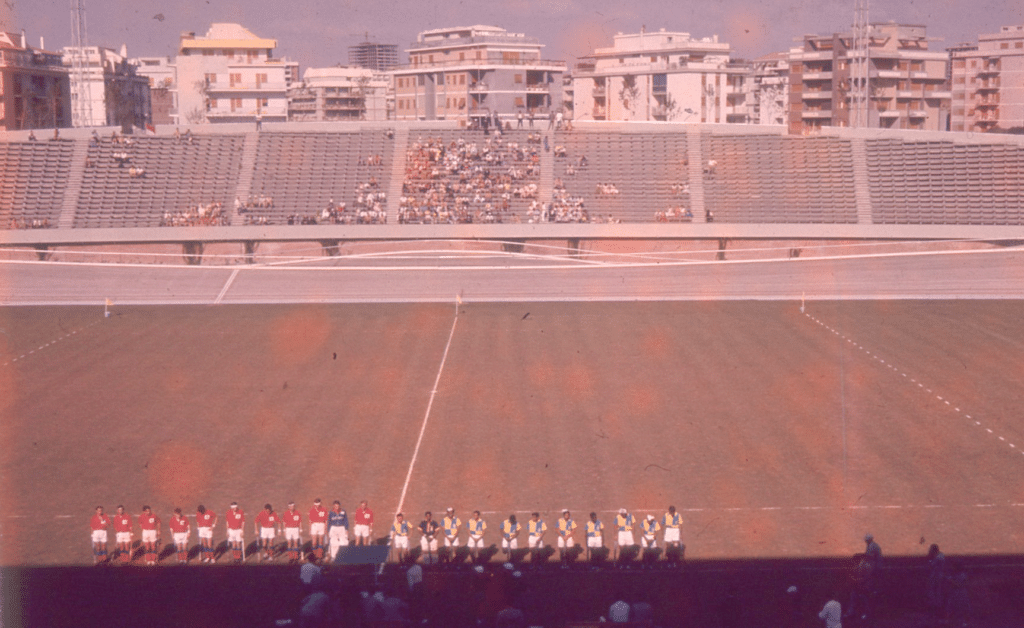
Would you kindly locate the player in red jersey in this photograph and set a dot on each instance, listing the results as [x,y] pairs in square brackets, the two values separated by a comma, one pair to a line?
[205,520]
[150,525]
[99,523]
[123,535]
[180,531]
[363,524]
[266,528]
[235,520]
[292,531]
[317,528]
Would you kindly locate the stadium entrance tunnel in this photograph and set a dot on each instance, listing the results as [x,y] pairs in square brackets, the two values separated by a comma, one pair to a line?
[193,252]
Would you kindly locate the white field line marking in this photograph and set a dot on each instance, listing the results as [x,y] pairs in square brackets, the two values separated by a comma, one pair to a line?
[227,284]
[52,342]
[426,416]
[920,385]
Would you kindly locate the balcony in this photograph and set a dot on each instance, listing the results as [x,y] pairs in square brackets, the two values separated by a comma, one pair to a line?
[600,111]
[818,95]
[938,94]
[889,114]
[887,74]
[987,102]
[478,87]
[538,88]
[301,106]
[989,70]
[905,94]
[918,113]
[817,113]
[817,76]
[220,88]
[600,90]
[992,85]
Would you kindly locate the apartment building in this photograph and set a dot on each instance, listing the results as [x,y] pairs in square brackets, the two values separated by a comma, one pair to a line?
[907,84]
[988,83]
[231,75]
[376,57]
[107,91]
[34,89]
[667,76]
[338,94]
[474,72]
[160,72]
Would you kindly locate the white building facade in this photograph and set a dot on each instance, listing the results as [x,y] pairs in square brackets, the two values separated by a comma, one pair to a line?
[666,76]
[231,75]
[108,91]
[339,94]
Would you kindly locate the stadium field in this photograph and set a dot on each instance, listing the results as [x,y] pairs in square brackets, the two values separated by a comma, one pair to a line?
[776,432]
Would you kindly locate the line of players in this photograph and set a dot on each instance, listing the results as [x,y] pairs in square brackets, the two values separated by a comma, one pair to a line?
[536,529]
[334,525]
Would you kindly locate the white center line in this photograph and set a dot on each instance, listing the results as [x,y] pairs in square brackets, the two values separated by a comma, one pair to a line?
[426,415]
[227,284]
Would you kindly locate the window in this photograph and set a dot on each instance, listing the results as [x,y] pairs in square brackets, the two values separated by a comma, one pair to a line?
[1018,44]
[518,78]
[430,58]
[462,56]
[478,54]
[228,52]
[264,102]
[236,79]
[462,103]
[211,79]
[519,101]
[211,104]
[659,83]
[462,79]
[207,53]
[261,79]
[236,104]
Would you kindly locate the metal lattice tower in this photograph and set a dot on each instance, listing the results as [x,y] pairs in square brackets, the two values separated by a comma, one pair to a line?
[860,67]
[81,107]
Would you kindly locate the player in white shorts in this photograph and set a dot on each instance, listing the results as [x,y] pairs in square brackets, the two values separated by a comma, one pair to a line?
[428,536]
[595,534]
[535,528]
[510,534]
[566,526]
[476,527]
[450,525]
[99,524]
[624,525]
[363,524]
[205,520]
[317,529]
[648,532]
[400,536]
[672,523]
[337,529]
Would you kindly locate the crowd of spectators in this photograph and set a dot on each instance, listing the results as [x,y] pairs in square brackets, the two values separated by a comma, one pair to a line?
[465,182]
[197,215]
[29,223]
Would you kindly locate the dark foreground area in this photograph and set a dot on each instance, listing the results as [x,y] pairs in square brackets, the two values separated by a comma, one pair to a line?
[700,593]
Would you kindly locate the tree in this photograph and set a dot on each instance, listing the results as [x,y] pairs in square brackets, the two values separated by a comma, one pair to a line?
[629,95]
[198,114]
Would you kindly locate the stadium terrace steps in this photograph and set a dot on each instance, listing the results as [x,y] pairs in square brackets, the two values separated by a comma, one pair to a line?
[33,182]
[76,174]
[648,173]
[546,182]
[776,179]
[245,177]
[695,169]
[303,172]
[399,146]
[860,180]
[180,174]
[943,182]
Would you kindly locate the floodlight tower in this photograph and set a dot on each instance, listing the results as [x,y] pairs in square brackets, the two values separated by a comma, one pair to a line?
[81,108]
[860,66]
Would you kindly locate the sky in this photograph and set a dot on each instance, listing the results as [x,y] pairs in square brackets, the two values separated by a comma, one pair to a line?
[317,33]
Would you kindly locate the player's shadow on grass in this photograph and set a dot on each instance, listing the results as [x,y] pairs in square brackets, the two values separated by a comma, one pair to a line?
[166,552]
[486,555]
[541,555]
